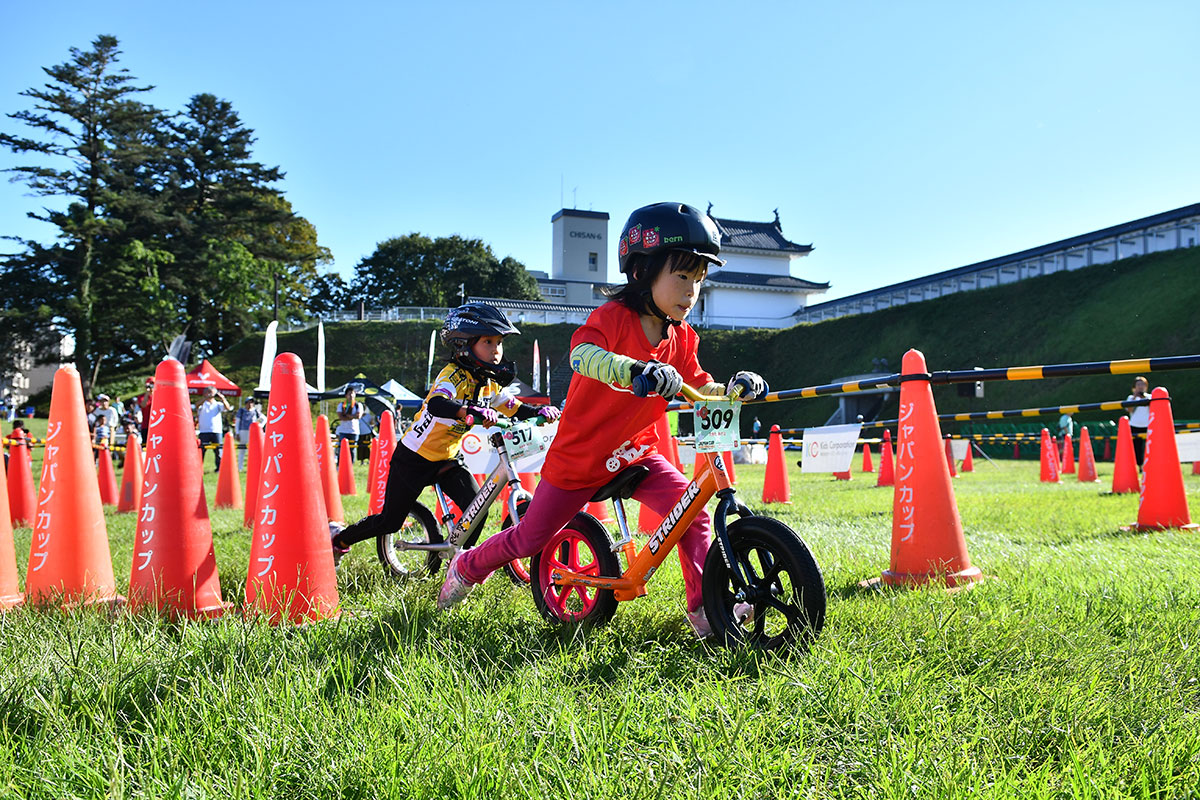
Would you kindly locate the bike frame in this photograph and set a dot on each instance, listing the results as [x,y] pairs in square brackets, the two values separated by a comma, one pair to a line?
[710,480]
[475,514]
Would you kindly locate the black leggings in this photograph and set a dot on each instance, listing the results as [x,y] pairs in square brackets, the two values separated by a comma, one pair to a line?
[1139,443]
[408,475]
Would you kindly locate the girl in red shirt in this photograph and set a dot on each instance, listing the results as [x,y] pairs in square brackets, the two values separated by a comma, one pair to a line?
[665,253]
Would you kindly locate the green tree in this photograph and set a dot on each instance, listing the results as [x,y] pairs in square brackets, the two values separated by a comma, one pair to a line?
[329,294]
[91,129]
[416,270]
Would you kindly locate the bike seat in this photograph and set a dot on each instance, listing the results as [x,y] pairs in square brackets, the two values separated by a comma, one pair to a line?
[623,485]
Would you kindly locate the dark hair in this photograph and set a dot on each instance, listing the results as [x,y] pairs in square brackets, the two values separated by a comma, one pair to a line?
[644,270]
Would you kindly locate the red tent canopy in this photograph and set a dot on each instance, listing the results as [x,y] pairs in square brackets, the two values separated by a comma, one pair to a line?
[206,375]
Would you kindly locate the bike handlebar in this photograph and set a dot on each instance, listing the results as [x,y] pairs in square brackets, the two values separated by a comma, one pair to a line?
[641,388]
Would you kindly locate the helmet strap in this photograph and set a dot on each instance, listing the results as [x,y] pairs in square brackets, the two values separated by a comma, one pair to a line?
[654,310]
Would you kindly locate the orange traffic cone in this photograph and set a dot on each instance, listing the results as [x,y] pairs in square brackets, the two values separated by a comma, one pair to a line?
[106,478]
[1087,459]
[675,458]
[22,498]
[329,481]
[776,488]
[843,476]
[950,458]
[69,560]
[867,464]
[1125,472]
[927,537]
[1108,448]
[10,594]
[229,487]
[372,461]
[254,447]
[600,512]
[131,477]
[291,563]
[174,570]
[968,464]
[385,445]
[1163,502]
[1068,455]
[1196,467]
[1049,473]
[887,472]
[346,483]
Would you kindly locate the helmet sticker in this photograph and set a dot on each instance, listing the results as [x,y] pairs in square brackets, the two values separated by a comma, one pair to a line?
[650,238]
[623,247]
[635,235]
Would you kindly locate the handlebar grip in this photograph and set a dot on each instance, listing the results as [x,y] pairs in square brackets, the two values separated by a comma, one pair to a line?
[469,420]
[641,386]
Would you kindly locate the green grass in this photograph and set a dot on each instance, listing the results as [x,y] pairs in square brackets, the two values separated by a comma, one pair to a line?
[1070,673]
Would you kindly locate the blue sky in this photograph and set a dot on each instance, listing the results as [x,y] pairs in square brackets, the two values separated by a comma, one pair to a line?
[897,138]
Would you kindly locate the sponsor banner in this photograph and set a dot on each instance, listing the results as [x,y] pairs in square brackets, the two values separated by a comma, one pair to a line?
[829,449]
[481,459]
[958,448]
[1189,446]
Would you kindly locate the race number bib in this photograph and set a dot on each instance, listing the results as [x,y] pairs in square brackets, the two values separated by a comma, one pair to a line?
[523,440]
[717,425]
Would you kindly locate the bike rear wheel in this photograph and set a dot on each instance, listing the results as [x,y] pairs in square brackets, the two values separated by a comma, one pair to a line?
[517,570]
[786,590]
[419,526]
[581,546]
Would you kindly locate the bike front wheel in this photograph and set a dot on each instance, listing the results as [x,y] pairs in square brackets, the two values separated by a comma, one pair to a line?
[582,546]
[419,527]
[784,602]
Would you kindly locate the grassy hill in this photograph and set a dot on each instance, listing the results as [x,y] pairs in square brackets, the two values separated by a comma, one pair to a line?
[1148,306]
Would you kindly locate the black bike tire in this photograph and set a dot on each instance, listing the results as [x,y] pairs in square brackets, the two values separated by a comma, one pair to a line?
[806,614]
[423,517]
[605,603]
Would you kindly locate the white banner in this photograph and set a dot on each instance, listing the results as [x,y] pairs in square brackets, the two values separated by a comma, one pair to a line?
[481,459]
[829,449]
[958,448]
[1189,446]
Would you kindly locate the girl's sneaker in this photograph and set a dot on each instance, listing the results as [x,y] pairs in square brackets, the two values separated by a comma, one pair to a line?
[703,630]
[455,588]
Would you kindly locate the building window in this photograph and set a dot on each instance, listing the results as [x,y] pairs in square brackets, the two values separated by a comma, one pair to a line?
[553,291]
[593,262]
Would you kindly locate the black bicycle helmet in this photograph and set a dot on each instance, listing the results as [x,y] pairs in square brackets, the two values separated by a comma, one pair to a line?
[669,226]
[463,327]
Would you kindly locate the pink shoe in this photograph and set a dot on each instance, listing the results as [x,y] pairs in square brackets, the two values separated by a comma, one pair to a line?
[455,588]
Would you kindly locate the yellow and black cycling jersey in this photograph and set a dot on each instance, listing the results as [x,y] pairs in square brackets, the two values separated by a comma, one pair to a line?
[437,438]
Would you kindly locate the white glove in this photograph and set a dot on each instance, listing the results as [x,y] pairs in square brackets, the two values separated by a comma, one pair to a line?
[662,379]
[753,386]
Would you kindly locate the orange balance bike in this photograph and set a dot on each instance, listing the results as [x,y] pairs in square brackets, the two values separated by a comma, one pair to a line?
[761,585]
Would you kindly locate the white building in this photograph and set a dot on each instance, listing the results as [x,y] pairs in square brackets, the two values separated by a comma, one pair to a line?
[755,288]
[1169,230]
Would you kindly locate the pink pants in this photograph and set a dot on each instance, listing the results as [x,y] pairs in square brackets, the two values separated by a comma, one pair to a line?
[552,508]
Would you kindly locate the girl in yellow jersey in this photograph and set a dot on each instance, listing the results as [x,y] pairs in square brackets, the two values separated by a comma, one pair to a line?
[471,385]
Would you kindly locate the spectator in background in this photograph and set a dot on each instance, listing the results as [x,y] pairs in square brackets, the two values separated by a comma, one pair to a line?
[1139,418]
[349,412]
[209,423]
[249,414]
[1066,427]
[104,422]
[756,427]
[143,402]
[18,438]
[129,435]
